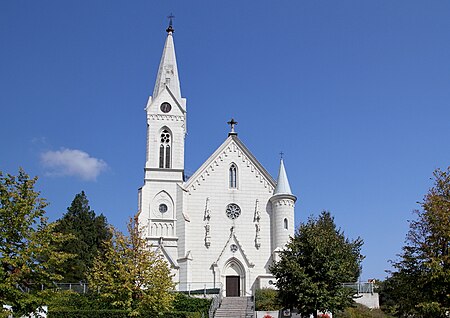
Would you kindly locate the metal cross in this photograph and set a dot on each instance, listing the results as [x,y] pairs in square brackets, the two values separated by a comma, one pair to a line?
[281,154]
[170,28]
[232,123]
[170,17]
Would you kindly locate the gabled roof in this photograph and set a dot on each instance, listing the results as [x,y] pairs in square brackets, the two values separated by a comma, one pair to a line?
[231,144]
[233,238]
[178,103]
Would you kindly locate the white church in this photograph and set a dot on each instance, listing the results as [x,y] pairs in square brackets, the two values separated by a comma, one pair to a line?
[223,226]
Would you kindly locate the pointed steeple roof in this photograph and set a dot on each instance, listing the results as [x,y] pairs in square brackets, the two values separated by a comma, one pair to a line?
[282,181]
[168,71]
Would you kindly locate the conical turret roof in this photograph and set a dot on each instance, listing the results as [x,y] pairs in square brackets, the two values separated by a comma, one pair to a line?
[283,186]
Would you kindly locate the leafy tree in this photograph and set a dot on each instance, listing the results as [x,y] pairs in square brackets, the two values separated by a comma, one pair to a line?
[88,232]
[28,258]
[131,276]
[266,299]
[315,264]
[420,284]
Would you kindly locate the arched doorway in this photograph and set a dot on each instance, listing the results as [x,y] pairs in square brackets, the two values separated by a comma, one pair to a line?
[234,277]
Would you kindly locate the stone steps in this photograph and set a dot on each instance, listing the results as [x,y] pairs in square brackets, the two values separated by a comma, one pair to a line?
[236,307]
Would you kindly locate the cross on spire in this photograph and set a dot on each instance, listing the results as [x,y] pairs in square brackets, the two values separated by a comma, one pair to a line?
[170,28]
[281,154]
[232,123]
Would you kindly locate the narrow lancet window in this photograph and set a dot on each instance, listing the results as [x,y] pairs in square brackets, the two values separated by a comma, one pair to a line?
[285,224]
[233,176]
[161,156]
[165,154]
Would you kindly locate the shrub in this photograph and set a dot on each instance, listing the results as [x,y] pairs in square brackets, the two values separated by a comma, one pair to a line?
[266,299]
[361,311]
[70,300]
[117,314]
[87,313]
[191,304]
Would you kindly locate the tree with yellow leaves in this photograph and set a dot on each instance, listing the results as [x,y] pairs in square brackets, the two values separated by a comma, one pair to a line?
[129,275]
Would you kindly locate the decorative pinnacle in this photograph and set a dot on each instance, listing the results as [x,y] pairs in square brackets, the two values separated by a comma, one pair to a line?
[170,29]
[232,123]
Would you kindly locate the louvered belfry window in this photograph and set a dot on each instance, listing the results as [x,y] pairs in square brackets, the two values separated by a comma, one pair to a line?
[165,149]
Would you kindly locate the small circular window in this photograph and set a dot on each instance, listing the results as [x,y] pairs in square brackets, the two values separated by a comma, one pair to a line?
[233,211]
[165,107]
[233,248]
[163,208]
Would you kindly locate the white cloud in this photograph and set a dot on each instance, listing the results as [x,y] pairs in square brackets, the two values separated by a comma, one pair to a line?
[72,162]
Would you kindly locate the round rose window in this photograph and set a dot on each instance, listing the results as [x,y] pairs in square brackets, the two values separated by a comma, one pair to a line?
[233,211]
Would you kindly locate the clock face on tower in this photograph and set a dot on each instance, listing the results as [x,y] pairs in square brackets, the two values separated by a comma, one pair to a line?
[165,107]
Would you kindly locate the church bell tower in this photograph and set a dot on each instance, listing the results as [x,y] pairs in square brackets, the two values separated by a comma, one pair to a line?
[166,120]
[159,197]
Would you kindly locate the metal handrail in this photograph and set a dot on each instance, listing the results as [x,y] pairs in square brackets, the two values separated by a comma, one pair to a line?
[361,288]
[215,304]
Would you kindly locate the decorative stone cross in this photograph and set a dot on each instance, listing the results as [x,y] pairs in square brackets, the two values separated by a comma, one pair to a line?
[232,123]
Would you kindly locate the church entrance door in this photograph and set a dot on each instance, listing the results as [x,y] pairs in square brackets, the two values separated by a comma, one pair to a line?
[233,286]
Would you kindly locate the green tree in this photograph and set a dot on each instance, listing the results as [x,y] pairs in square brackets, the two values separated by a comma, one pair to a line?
[129,275]
[266,299]
[88,232]
[420,284]
[315,264]
[28,258]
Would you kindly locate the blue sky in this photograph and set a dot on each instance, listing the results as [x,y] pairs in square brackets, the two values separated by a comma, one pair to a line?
[355,93]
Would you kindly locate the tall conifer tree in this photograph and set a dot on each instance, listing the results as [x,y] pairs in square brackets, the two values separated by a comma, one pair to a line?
[88,233]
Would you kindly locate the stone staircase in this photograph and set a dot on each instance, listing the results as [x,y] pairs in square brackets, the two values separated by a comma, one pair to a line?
[236,307]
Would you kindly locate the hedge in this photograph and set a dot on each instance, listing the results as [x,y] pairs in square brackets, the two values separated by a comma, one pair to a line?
[183,302]
[117,314]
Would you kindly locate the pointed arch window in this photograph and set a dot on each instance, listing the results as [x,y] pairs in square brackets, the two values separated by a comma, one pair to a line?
[233,176]
[165,153]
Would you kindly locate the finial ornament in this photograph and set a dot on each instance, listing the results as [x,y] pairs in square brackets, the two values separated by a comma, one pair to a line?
[281,154]
[232,123]
[170,29]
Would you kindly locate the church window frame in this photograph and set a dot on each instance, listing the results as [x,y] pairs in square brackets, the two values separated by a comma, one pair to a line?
[163,208]
[165,148]
[233,176]
[233,211]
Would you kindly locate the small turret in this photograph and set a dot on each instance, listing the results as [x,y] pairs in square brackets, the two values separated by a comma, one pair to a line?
[283,203]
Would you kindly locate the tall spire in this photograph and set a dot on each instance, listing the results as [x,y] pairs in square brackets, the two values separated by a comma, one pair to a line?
[282,182]
[168,70]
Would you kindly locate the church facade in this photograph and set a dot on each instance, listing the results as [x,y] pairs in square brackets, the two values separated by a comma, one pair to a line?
[223,226]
